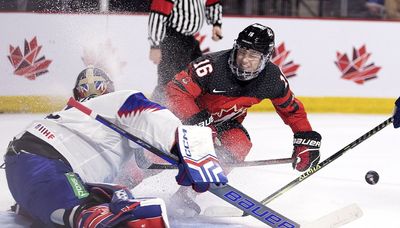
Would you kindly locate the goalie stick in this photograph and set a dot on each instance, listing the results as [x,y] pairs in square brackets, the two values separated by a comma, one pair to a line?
[233,165]
[324,163]
[225,192]
[338,217]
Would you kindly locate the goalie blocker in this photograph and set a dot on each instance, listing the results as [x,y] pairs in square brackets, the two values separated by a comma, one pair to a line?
[199,166]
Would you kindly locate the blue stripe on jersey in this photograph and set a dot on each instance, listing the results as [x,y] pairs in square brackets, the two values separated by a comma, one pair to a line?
[137,103]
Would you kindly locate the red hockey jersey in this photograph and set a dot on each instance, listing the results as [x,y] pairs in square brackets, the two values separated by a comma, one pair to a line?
[209,84]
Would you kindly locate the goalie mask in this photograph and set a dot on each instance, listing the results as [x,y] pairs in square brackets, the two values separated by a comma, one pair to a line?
[251,51]
[92,82]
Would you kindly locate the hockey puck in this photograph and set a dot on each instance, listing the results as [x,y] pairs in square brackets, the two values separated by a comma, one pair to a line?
[372,177]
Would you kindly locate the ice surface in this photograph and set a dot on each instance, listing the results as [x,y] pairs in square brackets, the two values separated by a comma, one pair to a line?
[337,185]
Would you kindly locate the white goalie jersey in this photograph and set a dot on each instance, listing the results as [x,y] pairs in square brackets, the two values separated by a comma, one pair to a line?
[95,151]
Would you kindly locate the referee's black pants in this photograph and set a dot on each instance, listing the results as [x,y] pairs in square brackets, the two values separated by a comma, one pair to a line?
[177,51]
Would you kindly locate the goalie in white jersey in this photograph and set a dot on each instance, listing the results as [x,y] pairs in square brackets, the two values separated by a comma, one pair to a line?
[51,167]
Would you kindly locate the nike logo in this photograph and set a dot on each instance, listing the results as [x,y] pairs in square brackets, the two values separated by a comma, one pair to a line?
[218,91]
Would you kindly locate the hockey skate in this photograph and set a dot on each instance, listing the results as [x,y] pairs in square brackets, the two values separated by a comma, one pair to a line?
[182,203]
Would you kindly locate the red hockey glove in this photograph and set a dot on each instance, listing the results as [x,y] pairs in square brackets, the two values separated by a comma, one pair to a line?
[306,150]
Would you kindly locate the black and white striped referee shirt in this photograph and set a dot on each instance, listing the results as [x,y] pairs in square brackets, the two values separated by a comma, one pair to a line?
[185,16]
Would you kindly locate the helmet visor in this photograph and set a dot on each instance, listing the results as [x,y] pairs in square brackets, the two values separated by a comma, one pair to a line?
[92,81]
[97,87]
[246,63]
[248,60]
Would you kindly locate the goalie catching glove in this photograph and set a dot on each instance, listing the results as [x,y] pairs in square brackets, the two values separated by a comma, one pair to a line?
[199,166]
[110,205]
[306,150]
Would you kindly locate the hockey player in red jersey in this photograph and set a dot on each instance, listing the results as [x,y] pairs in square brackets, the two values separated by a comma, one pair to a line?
[61,169]
[217,89]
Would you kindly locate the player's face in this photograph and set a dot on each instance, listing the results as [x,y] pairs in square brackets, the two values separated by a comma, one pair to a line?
[247,59]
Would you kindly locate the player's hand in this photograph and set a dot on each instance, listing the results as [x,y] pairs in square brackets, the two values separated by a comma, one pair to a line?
[396,115]
[202,119]
[155,55]
[216,33]
[306,150]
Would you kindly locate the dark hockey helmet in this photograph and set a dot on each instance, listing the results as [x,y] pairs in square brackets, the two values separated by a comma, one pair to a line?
[256,37]
[92,81]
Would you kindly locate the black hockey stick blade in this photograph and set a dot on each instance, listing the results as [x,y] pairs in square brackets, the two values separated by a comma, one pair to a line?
[324,163]
[233,165]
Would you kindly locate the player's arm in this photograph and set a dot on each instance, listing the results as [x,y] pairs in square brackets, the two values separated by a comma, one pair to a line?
[306,142]
[292,111]
[143,118]
[185,88]
[214,17]
[214,12]
[159,12]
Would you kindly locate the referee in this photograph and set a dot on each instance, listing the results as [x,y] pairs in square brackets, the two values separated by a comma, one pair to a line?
[171,29]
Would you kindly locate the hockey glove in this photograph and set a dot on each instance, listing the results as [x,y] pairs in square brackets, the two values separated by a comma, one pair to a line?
[396,115]
[183,178]
[202,119]
[199,165]
[125,211]
[306,150]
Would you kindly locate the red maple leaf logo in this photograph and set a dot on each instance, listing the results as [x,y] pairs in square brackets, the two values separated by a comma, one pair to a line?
[200,39]
[104,55]
[279,57]
[356,70]
[28,64]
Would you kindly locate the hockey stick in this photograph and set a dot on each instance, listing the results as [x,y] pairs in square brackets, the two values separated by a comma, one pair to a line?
[338,217]
[335,218]
[141,160]
[324,163]
[231,164]
[226,192]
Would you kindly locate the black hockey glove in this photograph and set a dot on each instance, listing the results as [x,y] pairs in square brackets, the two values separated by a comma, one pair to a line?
[306,150]
[396,115]
[202,119]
